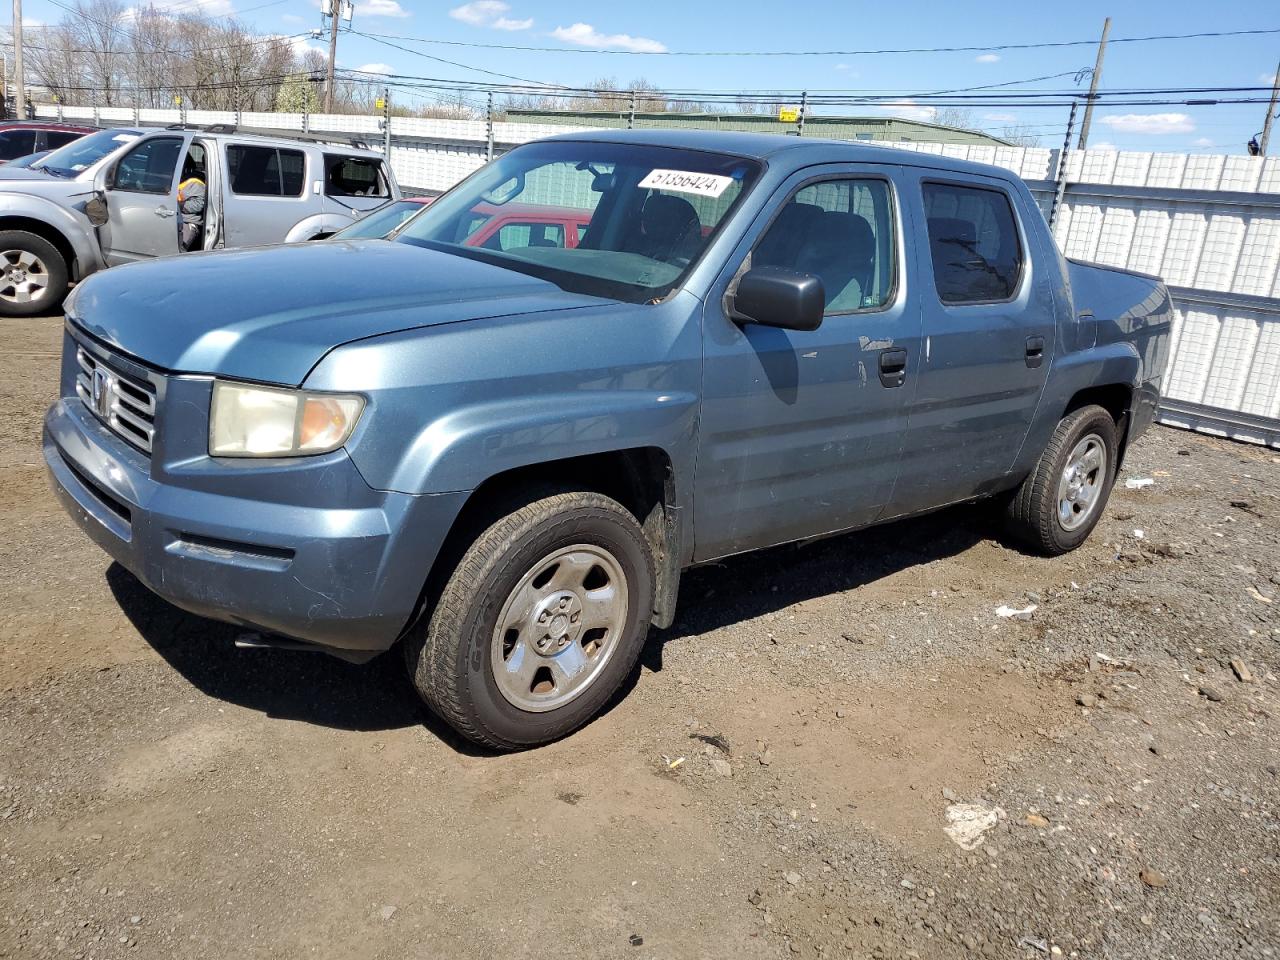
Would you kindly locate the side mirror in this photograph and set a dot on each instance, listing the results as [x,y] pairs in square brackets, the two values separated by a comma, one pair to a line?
[96,210]
[777,297]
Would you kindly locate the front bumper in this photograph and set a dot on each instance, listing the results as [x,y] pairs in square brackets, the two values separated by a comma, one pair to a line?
[345,574]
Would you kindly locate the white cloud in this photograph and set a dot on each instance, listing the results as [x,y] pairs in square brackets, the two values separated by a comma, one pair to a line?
[1149,123]
[1202,142]
[383,68]
[301,45]
[1000,117]
[381,8]
[291,18]
[842,66]
[987,58]
[909,110]
[585,35]
[1102,145]
[1267,78]
[489,13]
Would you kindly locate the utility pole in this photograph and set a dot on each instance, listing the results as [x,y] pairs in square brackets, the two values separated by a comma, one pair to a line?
[19,85]
[331,7]
[1093,84]
[1271,111]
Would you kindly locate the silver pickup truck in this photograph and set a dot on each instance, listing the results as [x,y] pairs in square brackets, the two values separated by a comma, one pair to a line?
[112,197]
[500,457]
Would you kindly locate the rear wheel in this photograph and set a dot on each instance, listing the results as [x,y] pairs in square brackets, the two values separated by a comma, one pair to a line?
[1062,500]
[33,274]
[540,622]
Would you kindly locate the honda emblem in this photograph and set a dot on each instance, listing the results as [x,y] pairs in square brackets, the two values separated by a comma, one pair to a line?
[102,392]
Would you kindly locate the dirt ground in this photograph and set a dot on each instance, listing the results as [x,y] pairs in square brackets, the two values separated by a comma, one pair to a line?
[163,794]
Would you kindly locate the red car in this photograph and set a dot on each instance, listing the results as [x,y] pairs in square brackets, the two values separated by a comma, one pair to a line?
[495,228]
[18,138]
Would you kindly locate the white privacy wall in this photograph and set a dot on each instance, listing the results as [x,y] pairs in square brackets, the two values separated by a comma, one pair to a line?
[1208,224]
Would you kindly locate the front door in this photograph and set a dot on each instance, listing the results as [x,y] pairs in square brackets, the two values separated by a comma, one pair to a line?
[801,431]
[989,325]
[142,202]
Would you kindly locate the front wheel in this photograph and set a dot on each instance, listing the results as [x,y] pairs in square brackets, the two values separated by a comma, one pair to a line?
[33,275]
[540,622]
[1062,500]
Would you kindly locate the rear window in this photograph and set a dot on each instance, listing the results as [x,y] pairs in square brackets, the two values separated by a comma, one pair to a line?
[255,171]
[973,242]
[17,143]
[354,177]
[60,138]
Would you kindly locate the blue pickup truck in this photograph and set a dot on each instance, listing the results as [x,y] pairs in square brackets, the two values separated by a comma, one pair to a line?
[500,457]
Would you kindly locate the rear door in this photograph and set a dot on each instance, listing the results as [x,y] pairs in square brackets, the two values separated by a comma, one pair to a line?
[265,193]
[142,201]
[989,327]
[801,431]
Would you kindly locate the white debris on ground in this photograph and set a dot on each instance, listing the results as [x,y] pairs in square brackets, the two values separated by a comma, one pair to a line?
[1137,483]
[967,822]
[1004,610]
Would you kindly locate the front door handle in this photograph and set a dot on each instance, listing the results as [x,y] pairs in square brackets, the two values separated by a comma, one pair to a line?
[163,211]
[1035,351]
[893,367]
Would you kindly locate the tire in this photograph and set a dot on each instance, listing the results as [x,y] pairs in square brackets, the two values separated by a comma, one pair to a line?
[501,689]
[1053,513]
[33,275]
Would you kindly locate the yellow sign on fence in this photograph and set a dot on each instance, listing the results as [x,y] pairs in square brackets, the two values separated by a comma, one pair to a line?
[788,114]
[379,104]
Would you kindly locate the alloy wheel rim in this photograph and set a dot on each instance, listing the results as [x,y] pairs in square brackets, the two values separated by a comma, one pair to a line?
[1081,484]
[559,627]
[24,278]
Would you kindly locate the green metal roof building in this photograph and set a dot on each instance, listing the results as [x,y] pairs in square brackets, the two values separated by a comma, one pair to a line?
[895,129]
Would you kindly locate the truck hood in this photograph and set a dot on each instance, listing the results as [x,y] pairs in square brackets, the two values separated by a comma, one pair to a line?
[270,314]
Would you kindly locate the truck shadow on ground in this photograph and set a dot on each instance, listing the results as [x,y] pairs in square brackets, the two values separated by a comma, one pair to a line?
[325,691]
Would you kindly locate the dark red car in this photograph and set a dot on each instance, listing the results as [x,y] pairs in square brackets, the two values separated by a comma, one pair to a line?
[18,138]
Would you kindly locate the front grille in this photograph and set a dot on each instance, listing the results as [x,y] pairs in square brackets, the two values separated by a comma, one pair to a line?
[125,404]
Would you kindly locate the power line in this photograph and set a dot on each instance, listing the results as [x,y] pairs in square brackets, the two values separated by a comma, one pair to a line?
[1041,45]
[418,53]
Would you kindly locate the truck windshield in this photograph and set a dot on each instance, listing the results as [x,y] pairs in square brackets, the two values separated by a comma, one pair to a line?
[80,155]
[617,220]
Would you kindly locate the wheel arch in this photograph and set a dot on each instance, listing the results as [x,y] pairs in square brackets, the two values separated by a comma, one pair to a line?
[48,232]
[642,479]
[1116,399]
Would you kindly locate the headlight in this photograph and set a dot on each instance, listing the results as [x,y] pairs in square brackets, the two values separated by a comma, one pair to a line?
[264,422]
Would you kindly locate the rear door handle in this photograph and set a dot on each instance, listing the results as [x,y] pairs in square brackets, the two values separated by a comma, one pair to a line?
[893,367]
[1035,351]
[165,212]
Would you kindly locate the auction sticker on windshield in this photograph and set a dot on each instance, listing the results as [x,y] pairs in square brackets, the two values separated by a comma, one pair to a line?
[680,181]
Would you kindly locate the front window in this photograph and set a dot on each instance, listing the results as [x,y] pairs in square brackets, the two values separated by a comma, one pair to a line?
[649,213]
[148,167]
[80,155]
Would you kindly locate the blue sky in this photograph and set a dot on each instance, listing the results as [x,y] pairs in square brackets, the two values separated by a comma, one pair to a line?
[828,24]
